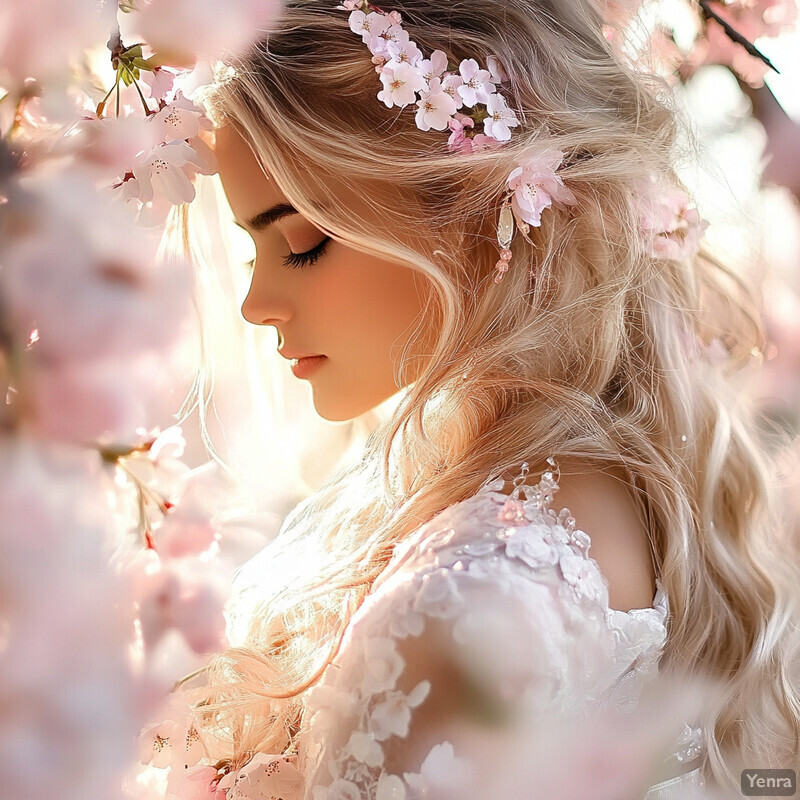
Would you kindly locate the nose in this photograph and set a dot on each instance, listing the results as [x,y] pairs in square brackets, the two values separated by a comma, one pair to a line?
[263,305]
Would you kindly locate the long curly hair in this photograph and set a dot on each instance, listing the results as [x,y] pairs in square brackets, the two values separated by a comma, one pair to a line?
[597,358]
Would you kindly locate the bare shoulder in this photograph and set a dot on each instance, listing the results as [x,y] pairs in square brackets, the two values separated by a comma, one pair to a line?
[603,505]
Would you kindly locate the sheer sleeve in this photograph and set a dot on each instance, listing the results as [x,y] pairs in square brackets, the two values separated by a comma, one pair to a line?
[494,615]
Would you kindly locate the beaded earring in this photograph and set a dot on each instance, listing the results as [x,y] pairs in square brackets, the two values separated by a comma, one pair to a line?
[505,235]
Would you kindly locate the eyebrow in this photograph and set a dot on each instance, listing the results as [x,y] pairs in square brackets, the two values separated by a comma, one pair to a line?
[264,219]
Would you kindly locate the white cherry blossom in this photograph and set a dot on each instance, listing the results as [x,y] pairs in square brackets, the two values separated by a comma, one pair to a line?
[401,84]
[433,67]
[435,108]
[500,120]
[402,50]
[181,119]
[368,26]
[477,86]
[159,173]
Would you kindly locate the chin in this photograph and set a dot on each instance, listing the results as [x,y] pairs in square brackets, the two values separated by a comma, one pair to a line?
[343,409]
[336,412]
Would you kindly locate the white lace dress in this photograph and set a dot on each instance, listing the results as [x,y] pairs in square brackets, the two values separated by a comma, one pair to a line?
[474,666]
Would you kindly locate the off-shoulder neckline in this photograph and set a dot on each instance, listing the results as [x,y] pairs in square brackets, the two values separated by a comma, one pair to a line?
[660,602]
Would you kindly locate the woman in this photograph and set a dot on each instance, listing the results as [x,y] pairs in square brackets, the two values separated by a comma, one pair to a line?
[520,260]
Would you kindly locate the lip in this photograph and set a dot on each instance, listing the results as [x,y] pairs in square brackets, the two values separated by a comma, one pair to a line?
[307,366]
[289,354]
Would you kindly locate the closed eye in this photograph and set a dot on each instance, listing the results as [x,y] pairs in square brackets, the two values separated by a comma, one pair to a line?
[300,260]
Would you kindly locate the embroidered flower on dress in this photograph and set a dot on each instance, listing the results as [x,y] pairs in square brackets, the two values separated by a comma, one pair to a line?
[393,716]
[441,769]
[340,789]
[528,545]
[390,787]
[438,595]
[362,747]
[382,665]
[582,576]
[328,705]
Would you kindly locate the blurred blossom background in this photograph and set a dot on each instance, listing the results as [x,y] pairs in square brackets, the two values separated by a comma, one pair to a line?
[151,441]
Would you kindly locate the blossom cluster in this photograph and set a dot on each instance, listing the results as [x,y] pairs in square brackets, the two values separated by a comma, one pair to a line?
[438,93]
[166,168]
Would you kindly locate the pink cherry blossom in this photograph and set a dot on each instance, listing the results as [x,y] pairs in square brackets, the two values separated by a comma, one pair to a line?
[433,67]
[402,50]
[368,26]
[203,159]
[536,186]
[106,146]
[476,86]
[401,83]
[450,84]
[39,38]
[158,82]
[86,278]
[393,34]
[159,172]
[459,141]
[673,227]
[195,783]
[183,593]
[435,108]
[184,30]
[265,776]
[83,706]
[500,120]
[480,141]
[181,119]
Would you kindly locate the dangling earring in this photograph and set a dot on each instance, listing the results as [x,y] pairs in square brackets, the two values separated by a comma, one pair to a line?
[505,235]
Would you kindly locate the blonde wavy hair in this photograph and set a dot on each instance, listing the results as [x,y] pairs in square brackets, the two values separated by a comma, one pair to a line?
[597,360]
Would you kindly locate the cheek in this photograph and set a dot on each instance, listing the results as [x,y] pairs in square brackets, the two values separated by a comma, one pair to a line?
[375,301]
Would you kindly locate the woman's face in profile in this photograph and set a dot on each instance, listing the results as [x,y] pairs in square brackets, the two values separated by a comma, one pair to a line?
[352,312]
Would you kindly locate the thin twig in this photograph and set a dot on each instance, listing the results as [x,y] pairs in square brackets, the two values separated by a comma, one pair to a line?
[733,34]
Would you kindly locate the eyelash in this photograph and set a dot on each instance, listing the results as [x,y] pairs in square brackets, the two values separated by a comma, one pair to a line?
[300,260]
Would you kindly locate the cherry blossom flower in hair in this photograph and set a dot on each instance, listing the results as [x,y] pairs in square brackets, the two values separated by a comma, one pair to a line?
[670,222]
[439,93]
[536,186]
